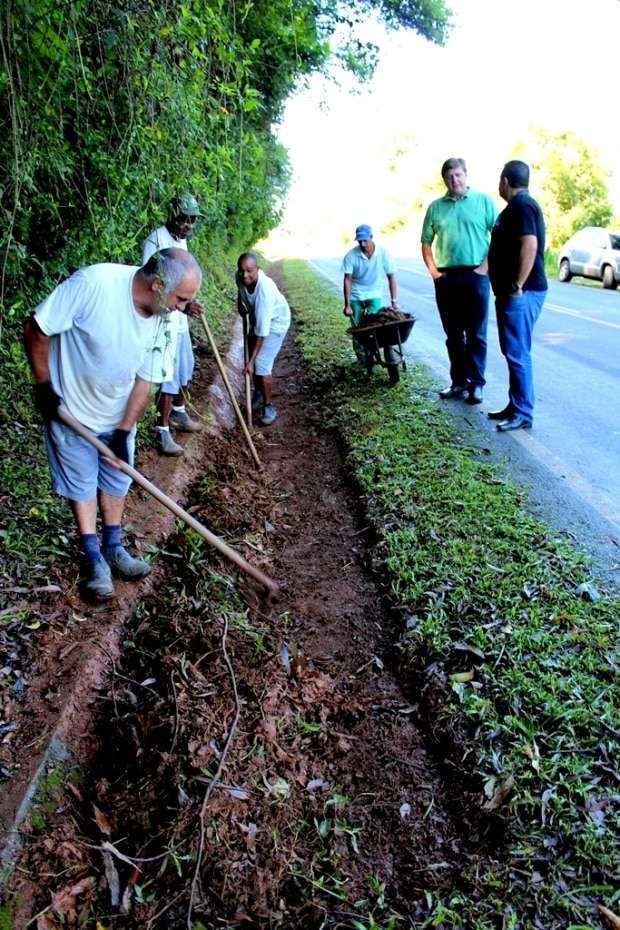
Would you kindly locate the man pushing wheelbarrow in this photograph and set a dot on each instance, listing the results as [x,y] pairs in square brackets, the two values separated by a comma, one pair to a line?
[364,268]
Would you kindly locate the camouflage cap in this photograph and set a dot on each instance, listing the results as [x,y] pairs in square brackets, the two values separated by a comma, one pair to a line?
[187,204]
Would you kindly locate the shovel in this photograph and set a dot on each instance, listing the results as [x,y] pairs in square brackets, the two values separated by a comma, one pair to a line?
[153,490]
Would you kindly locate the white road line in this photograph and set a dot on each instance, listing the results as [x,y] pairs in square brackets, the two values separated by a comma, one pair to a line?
[557,308]
[598,500]
[567,311]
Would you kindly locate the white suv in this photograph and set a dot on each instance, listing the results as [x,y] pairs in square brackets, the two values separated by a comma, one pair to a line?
[593,252]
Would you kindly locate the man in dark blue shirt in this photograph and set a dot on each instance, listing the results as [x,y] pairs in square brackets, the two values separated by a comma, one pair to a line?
[517,274]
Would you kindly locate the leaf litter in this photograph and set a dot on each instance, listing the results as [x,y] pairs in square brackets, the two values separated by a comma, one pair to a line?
[317,794]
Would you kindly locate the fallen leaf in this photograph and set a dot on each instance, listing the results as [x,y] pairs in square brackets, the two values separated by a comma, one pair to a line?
[285,658]
[63,901]
[587,591]
[544,801]
[239,793]
[462,676]
[497,788]
[533,753]
[466,647]
[280,788]
[112,879]
[315,783]
[102,821]
[250,832]
[405,810]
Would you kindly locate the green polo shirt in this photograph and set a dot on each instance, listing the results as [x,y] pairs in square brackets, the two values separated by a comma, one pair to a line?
[459,228]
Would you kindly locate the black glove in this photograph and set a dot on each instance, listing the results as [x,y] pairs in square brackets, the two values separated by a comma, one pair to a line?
[118,445]
[46,400]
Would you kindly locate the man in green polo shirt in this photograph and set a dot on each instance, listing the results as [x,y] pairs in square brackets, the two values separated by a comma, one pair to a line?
[458,227]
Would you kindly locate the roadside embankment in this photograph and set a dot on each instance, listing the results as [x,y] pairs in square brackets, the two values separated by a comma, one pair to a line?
[419,732]
[509,647]
[256,763]
[56,649]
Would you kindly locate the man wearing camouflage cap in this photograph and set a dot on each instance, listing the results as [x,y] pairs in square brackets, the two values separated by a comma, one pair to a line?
[184,212]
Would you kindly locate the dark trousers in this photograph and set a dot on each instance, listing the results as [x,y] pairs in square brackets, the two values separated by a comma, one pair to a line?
[462,297]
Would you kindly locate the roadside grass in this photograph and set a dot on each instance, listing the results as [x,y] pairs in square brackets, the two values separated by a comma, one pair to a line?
[551,263]
[518,673]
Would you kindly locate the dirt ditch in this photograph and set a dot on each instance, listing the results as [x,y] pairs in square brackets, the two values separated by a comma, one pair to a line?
[258,763]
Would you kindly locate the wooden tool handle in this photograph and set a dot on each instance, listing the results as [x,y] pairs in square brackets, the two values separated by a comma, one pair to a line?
[172,505]
[231,393]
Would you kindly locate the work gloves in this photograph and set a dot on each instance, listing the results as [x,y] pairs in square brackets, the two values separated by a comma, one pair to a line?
[118,444]
[47,401]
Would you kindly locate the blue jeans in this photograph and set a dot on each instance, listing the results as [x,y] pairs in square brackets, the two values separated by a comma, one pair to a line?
[462,297]
[516,317]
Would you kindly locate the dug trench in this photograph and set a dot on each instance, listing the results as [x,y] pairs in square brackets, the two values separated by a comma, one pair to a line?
[258,763]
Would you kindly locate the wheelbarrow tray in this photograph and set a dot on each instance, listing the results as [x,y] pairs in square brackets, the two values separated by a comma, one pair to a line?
[383,334]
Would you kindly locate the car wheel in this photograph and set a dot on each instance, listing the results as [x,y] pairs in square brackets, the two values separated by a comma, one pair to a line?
[564,274]
[609,280]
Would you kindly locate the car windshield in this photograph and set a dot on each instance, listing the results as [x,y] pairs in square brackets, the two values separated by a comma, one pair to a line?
[615,240]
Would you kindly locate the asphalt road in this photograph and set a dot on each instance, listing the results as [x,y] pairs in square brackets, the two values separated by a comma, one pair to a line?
[571,458]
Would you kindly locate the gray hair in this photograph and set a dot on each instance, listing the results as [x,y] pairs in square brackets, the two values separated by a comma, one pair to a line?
[171,266]
[451,163]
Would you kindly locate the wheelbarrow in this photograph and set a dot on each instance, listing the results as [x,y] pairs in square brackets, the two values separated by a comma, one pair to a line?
[390,337]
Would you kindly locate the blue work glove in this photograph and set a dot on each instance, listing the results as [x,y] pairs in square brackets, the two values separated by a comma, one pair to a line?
[118,445]
[46,400]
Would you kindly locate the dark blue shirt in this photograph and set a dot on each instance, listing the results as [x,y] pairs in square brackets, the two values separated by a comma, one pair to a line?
[521,217]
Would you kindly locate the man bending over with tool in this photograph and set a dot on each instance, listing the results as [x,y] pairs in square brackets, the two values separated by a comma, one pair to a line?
[96,345]
[270,318]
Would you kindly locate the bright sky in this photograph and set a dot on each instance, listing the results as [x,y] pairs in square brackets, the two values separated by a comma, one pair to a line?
[506,66]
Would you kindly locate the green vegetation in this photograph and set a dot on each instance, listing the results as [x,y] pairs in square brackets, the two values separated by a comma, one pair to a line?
[520,672]
[47,797]
[6,915]
[568,180]
[108,110]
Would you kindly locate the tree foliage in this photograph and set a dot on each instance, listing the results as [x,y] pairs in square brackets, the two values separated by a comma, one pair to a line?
[570,182]
[107,109]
